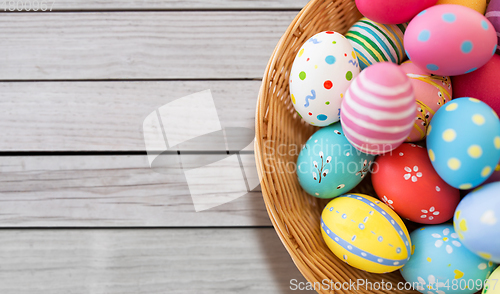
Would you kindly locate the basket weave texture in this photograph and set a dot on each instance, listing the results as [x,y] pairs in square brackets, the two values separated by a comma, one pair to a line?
[280,134]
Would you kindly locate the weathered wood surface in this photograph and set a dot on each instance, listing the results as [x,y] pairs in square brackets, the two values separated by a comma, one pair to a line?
[118,5]
[112,191]
[139,45]
[144,261]
[91,116]
[80,82]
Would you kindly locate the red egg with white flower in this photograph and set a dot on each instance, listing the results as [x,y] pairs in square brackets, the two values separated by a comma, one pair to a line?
[406,181]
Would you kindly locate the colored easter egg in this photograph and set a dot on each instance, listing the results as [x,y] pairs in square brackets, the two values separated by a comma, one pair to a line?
[495,176]
[481,83]
[322,71]
[477,221]
[439,263]
[365,233]
[328,165]
[450,40]
[392,11]
[431,92]
[427,198]
[477,5]
[492,285]
[378,111]
[375,42]
[463,141]
[493,15]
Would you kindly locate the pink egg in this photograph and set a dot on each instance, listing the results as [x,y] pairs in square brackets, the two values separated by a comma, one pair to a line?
[378,110]
[450,40]
[431,92]
[493,15]
[392,11]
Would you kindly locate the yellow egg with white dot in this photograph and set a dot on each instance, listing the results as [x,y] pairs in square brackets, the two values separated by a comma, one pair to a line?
[464,144]
[365,233]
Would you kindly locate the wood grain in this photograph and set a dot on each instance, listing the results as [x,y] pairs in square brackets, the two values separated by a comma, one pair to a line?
[144,261]
[82,5]
[114,191]
[139,45]
[93,116]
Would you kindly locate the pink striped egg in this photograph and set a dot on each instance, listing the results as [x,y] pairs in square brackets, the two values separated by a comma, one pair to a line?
[378,111]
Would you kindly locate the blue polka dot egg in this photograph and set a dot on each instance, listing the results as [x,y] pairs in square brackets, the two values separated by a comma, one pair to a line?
[440,264]
[463,142]
[328,165]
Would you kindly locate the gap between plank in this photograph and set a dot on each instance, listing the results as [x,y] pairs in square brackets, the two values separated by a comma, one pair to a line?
[134,80]
[122,153]
[142,228]
[163,10]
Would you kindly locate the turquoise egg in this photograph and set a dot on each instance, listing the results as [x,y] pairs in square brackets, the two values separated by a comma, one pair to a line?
[463,142]
[477,221]
[329,166]
[441,264]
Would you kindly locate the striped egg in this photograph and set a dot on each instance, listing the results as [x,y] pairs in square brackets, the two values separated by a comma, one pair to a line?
[365,233]
[378,111]
[493,15]
[374,42]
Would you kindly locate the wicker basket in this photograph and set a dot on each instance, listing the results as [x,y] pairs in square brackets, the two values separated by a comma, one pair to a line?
[280,133]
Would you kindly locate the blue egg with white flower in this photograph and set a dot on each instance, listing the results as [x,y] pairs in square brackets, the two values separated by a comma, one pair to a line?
[439,263]
[463,142]
[329,166]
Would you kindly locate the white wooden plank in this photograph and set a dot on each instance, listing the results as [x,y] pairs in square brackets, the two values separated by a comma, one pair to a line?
[91,116]
[139,45]
[118,5]
[113,191]
[144,261]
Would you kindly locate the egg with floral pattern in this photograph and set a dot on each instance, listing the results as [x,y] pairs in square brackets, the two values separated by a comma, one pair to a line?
[329,166]
[440,264]
[321,72]
[463,142]
[427,198]
[477,221]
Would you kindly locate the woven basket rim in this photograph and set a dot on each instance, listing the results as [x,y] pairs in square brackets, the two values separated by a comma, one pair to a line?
[303,255]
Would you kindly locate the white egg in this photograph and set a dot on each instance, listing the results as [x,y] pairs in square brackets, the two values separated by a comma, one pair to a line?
[321,73]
